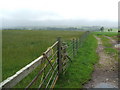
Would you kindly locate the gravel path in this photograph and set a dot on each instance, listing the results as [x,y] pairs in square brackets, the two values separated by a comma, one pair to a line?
[105,74]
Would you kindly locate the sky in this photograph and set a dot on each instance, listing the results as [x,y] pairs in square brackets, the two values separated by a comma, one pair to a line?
[58,12]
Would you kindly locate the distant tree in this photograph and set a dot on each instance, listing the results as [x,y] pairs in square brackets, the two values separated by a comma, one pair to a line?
[110,29]
[102,29]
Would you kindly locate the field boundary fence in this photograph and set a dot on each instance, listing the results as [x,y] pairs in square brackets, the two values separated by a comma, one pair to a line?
[53,62]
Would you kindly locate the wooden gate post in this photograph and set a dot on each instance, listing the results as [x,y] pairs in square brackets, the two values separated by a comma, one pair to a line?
[59,55]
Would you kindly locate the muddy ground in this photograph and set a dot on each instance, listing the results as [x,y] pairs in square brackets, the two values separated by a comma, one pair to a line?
[105,74]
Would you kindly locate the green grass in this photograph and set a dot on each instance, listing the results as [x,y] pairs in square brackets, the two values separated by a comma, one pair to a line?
[80,70]
[111,34]
[20,47]
[106,42]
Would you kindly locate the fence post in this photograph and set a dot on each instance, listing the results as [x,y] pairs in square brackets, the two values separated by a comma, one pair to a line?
[73,48]
[59,55]
[82,39]
[79,42]
[76,46]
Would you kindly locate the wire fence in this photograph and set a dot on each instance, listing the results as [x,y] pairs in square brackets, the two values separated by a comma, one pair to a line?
[52,63]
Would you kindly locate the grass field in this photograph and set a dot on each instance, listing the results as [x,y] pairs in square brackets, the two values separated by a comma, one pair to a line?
[80,70]
[20,47]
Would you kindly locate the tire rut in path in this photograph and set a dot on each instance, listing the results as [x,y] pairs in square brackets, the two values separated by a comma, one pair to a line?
[105,74]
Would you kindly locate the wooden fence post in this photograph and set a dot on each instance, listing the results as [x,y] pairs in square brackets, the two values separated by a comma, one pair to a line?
[82,38]
[73,48]
[76,46]
[79,42]
[59,55]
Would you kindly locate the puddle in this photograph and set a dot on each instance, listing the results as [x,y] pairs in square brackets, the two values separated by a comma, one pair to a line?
[104,85]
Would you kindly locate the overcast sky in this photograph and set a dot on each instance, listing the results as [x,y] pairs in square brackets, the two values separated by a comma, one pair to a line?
[59,12]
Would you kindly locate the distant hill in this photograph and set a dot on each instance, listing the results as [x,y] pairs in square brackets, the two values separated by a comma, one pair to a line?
[82,28]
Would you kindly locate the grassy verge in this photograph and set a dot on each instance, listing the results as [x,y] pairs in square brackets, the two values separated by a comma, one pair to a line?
[80,70]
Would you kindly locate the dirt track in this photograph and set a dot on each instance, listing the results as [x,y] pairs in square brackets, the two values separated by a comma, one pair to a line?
[105,74]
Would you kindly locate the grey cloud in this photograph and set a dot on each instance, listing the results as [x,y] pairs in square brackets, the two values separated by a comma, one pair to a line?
[27,14]
[60,23]
[34,18]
